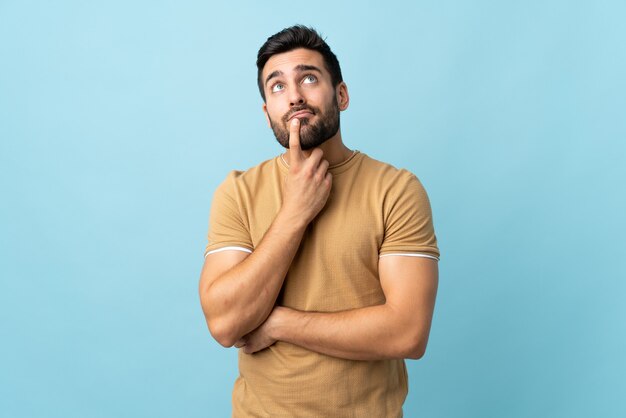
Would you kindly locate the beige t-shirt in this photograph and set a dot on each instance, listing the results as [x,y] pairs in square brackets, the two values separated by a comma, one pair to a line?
[373,210]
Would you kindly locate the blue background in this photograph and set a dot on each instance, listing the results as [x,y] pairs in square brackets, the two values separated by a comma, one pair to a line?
[119,119]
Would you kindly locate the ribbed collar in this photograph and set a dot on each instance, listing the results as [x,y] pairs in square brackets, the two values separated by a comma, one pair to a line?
[333,169]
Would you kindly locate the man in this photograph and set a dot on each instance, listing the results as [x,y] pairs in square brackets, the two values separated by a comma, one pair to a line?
[321,265]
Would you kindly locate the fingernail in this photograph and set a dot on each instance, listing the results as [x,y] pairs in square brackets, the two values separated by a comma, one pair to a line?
[296,121]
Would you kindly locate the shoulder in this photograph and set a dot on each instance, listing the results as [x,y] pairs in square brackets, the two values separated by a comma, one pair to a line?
[387,176]
[236,179]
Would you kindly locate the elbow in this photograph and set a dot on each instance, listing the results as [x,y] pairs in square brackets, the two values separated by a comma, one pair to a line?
[222,333]
[415,347]
[219,328]
[416,352]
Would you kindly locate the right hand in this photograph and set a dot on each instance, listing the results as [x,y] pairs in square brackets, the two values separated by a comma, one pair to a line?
[308,183]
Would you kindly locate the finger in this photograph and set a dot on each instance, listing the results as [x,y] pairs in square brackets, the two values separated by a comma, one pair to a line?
[295,151]
[329,179]
[322,169]
[315,158]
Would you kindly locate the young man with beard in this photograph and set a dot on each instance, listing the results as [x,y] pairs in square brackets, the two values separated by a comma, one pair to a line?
[321,263]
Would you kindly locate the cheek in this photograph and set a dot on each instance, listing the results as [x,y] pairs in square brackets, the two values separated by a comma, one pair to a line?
[270,113]
[275,112]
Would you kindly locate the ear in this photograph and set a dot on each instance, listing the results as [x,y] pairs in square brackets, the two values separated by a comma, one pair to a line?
[267,117]
[343,98]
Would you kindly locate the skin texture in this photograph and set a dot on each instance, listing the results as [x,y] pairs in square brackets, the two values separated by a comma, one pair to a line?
[238,290]
[324,124]
[298,91]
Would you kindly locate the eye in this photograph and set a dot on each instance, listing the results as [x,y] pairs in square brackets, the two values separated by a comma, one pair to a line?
[277,87]
[310,77]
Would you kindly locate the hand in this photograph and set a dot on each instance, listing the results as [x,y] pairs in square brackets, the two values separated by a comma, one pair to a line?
[308,183]
[262,337]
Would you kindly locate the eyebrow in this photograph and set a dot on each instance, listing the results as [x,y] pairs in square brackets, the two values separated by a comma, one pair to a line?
[298,68]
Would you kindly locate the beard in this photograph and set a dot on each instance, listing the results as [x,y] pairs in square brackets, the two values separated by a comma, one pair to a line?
[311,134]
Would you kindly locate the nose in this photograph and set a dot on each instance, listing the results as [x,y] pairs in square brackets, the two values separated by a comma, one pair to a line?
[296,98]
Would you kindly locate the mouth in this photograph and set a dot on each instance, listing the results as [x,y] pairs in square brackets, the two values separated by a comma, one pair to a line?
[301,113]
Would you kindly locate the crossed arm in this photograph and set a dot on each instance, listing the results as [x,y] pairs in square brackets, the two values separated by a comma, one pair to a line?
[238,290]
[399,328]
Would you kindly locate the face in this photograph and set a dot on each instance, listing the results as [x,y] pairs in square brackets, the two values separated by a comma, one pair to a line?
[297,84]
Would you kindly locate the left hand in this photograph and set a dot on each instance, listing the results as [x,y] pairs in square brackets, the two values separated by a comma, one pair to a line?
[260,338]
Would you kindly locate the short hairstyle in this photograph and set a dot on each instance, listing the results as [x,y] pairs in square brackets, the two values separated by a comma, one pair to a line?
[297,36]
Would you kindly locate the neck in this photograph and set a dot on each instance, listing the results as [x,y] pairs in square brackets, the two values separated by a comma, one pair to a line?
[335,151]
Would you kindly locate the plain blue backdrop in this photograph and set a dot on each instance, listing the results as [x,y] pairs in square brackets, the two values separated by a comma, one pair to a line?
[119,119]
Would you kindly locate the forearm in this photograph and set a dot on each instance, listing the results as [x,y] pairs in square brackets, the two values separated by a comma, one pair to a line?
[370,333]
[242,298]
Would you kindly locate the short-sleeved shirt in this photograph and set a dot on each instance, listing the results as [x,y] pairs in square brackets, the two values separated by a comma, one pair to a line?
[374,210]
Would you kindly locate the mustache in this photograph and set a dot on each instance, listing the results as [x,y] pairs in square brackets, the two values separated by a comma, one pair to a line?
[298,109]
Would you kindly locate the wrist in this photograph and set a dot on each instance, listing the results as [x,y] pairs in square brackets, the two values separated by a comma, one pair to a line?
[293,222]
[279,319]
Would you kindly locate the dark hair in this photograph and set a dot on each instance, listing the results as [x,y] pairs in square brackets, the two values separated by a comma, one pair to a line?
[297,36]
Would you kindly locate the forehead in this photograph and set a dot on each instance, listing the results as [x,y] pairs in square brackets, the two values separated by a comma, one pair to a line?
[286,61]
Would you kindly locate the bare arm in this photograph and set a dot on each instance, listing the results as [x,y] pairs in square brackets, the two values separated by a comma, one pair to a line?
[399,328]
[238,291]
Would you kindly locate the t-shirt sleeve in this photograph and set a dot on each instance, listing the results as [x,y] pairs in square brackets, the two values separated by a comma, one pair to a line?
[408,219]
[226,225]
